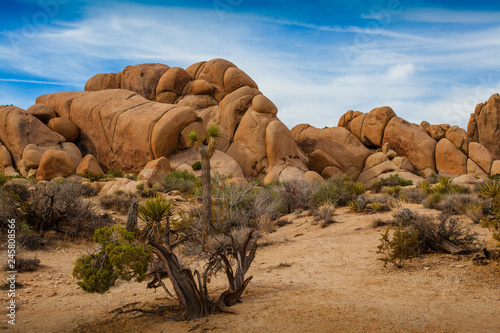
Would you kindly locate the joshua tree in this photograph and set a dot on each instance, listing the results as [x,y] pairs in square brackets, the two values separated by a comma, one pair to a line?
[206,152]
[230,251]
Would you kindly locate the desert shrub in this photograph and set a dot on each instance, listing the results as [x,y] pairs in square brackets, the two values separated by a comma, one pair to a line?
[433,178]
[196,165]
[338,189]
[412,195]
[282,222]
[353,205]
[117,258]
[118,201]
[425,187]
[399,249]
[296,194]
[324,212]
[131,176]
[433,200]
[489,189]
[182,181]
[115,173]
[444,234]
[358,188]
[454,204]
[51,206]
[3,179]
[378,206]
[393,191]
[94,177]
[30,241]
[391,181]
[27,265]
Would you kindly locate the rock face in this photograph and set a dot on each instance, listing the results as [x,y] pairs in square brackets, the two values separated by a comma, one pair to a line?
[481,156]
[411,142]
[449,159]
[132,129]
[55,163]
[42,112]
[89,164]
[484,125]
[18,129]
[337,142]
[64,127]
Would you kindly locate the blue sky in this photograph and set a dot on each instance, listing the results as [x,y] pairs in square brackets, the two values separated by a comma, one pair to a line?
[428,60]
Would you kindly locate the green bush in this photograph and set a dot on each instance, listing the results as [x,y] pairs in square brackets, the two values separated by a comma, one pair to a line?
[56,205]
[182,181]
[391,181]
[117,258]
[402,247]
[338,189]
[154,212]
[3,179]
[196,166]
[115,173]
[489,189]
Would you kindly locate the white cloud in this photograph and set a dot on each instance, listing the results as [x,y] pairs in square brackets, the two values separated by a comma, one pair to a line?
[421,75]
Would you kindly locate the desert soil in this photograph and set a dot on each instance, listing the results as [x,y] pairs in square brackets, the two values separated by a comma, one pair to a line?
[306,279]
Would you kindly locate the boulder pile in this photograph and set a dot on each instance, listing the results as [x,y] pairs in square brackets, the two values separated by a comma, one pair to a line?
[138,121]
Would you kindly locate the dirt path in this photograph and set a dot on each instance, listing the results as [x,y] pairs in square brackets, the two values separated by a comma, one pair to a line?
[309,279]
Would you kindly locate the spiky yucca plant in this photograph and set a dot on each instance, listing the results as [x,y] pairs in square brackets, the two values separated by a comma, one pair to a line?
[489,188]
[154,211]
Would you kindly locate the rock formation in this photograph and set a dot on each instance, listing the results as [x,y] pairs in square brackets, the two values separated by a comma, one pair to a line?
[139,120]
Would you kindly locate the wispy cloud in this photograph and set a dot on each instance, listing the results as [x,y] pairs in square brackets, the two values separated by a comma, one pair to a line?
[421,73]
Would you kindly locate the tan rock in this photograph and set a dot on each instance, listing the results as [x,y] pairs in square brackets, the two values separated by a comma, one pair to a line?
[174,80]
[150,177]
[117,185]
[42,112]
[386,147]
[487,121]
[319,160]
[345,120]
[372,132]
[472,130]
[495,168]
[233,107]
[459,138]
[9,171]
[391,154]
[449,159]
[20,129]
[143,79]
[235,78]
[74,152]
[377,170]
[475,170]
[61,102]
[197,102]
[32,155]
[411,142]
[160,165]
[55,163]
[437,132]
[357,126]
[280,145]
[330,172]
[167,97]
[198,87]
[375,159]
[290,173]
[403,164]
[65,128]
[5,159]
[403,174]
[193,127]
[89,164]
[337,142]
[235,181]
[133,131]
[249,144]
[96,82]
[467,180]
[213,72]
[262,104]
[220,163]
[424,125]
[195,69]
[313,177]
[481,156]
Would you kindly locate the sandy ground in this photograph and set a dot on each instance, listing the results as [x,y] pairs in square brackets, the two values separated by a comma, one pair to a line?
[309,279]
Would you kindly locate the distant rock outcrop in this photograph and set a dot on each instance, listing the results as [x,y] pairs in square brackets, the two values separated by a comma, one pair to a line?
[484,125]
